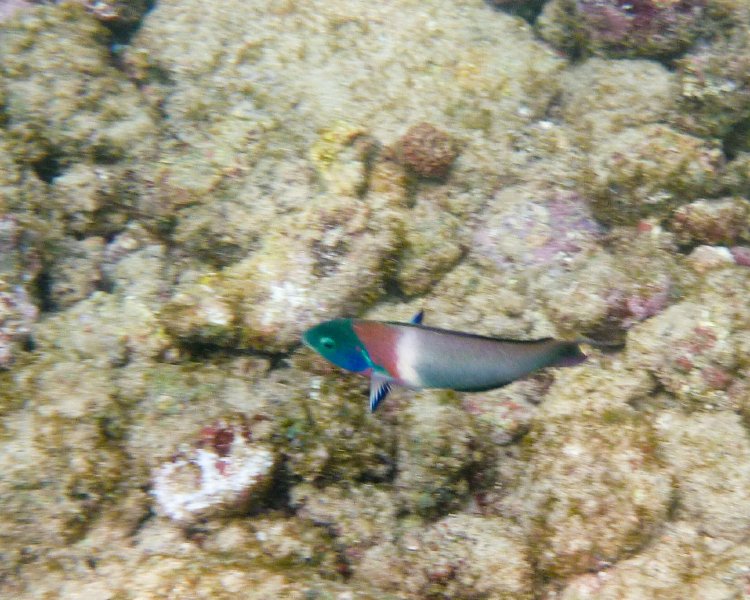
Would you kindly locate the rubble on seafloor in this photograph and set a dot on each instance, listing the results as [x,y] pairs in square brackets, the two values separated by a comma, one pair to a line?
[185,187]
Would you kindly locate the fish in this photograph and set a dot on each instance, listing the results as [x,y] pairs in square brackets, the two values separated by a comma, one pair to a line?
[417,356]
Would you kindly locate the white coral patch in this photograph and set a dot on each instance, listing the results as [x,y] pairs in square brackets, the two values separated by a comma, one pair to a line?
[202,483]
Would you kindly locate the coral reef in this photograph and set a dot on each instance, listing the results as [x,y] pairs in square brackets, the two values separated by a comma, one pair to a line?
[225,472]
[183,191]
[696,348]
[724,221]
[647,171]
[17,313]
[427,151]
[714,90]
[647,28]
[582,504]
[458,457]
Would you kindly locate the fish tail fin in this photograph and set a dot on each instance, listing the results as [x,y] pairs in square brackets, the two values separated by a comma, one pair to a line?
[570,355]
[602,345]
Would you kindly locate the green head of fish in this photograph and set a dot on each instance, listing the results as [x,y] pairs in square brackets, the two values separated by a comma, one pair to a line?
[336,341]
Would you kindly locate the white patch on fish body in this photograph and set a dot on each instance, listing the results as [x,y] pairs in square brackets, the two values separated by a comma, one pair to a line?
[407,356]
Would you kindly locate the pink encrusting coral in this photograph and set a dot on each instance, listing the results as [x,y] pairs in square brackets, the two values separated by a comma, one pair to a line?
[622,25]
[649,28]
[546,233]
[8,8]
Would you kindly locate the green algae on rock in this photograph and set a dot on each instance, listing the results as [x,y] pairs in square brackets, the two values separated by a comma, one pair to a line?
[93,114]
[647,171]
[648,28]
[714,90]
[328,260]
[433,427]
[594,488]
[723,221]
[696,348]
[460,556]
[326,435]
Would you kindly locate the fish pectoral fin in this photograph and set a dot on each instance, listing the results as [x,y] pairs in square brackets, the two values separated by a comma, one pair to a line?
[417,319]
[379,388]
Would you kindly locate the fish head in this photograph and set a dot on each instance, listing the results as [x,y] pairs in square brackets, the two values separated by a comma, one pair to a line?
[337,342]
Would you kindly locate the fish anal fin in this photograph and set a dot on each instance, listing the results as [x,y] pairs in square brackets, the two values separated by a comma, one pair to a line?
[379,388]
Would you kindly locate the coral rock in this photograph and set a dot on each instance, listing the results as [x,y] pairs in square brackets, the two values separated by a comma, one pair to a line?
[648,171]
[715,222]
[427,151]
[648,28]
[226,473]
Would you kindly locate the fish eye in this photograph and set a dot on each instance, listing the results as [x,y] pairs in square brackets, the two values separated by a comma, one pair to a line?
[327,343]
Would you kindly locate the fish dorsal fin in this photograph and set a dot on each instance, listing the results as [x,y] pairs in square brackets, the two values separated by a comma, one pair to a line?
[379,388]
[417,319]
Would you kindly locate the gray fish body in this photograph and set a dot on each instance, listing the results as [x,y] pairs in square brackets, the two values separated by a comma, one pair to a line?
[438,358]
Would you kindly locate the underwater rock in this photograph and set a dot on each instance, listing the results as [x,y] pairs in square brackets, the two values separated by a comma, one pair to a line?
[594,489]
[504,415]
[434,241]
[460,556]
[117,14]
[523,234]
[695,348]
[683,563]
[342,157]
[439,451]
[714,90]
[706,258]
[600,98]
[108,330]
[326,433]
[226,472]
[17,315]
[648,171]
[8,8]
[615,28]
[59,464]
[724,221]
[64,102]
[712,477]
[426,151]
[611,290]
[359,517]
[77,272]
[97,199]
[329,260]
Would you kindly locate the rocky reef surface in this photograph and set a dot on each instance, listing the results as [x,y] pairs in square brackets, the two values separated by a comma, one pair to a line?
[186,186]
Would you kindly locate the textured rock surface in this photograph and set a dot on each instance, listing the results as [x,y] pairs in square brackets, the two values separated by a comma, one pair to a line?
[184,191]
